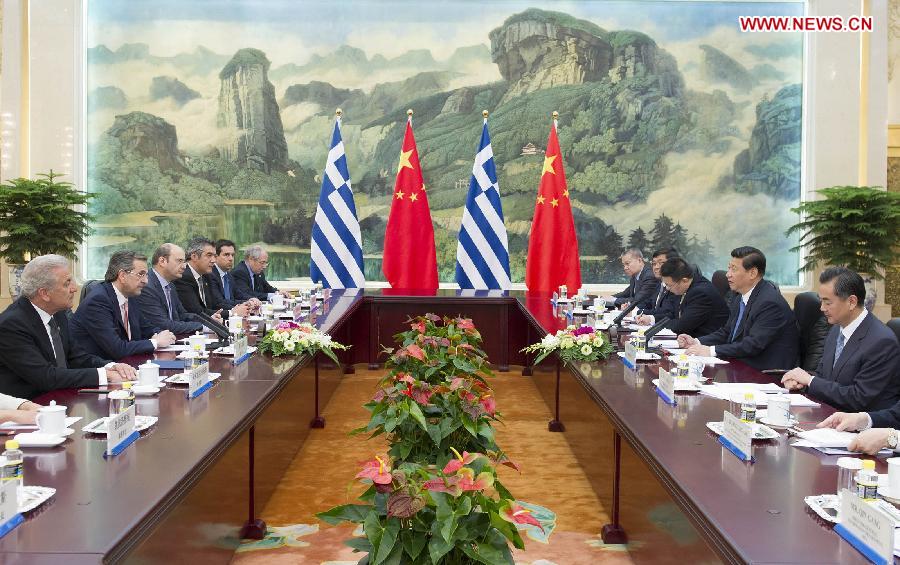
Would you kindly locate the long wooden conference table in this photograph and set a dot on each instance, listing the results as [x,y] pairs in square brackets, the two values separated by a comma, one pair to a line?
[197,480]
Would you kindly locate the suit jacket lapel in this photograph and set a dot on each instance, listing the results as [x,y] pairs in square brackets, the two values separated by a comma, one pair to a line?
[40,331]
[851,346]
[749,308]
[117,310]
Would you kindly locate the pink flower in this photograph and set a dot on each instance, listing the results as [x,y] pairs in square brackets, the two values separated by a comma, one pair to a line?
[456,463]
[433,317]
[418,326]
[376,470]
[517,514]
[489,404]
[465,324]
[415,351]
[466,480]
[583,330]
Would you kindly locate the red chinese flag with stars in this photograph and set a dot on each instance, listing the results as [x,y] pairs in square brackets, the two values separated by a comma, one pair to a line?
[409,256]
[553,245]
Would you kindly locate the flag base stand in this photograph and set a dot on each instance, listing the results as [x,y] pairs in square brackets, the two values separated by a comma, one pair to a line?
[317,423]
[555,425]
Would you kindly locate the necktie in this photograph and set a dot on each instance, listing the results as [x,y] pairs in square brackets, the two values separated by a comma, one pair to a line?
[737,323]
[58,350]
[226,285]
[252,281]
[659,297]
[839,348]
[125,319]
[200,288]
[169,299]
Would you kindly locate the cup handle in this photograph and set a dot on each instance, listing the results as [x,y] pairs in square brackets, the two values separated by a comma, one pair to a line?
[37,420]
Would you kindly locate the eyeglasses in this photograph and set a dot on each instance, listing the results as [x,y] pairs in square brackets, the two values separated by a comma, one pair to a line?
[140,275]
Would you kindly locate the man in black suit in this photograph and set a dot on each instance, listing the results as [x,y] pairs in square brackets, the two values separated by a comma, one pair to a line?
[860,366]
[701,309]
[222,283]
[665,303]
[159,300]
[761,330]
[641,287]
[108,322]
[37,352]
[248,277]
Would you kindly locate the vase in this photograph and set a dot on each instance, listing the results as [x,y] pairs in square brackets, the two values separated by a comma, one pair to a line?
[871,291]
[15,280]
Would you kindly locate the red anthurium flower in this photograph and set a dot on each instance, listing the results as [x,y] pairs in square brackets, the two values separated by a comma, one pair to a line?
[489,404]
[517,514]
[445,342]
[418,326]
[408,391]
[415,351]
[457,382]
[465,324]
[377,470]
[443,485]
[422,396]
[456,464]
[467,480]
[404,377]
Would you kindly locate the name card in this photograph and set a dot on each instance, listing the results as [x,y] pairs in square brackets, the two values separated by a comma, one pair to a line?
[630,355]
[120,431]
[9,507]
[666,387]
[867,528]
[198,379]
[737,436]
[240,349]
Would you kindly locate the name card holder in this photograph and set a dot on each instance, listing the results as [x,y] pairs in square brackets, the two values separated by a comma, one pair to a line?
[120,432]
[737,437]
[666,387]
[9,508]
[866,528]
[630,359]
[198,381]
[240,351]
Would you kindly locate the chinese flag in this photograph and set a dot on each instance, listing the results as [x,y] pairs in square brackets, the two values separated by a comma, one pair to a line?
[553,245]
[409,257]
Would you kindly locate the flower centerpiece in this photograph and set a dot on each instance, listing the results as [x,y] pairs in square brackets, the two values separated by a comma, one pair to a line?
[574,344]
[411,513]
[291,338]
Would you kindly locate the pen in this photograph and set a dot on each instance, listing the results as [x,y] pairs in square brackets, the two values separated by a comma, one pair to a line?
[94,390]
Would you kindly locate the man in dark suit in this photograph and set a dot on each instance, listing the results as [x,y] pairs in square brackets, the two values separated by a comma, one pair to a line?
[642,285]
[665,303]
[761,330]
[248,277]
[701,309]
[37,352]
[159,300]
[108,322]
[860,366]
[222,284]
[193,287]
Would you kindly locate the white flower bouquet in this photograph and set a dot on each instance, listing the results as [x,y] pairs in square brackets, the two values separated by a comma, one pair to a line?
[291,338]
[573,344]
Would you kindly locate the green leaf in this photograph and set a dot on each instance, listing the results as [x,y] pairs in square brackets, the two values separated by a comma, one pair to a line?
[374,531]
[388,539]
[416,413]
[355,513]
[359,544]
[469,425]
[438,547]
[413,544]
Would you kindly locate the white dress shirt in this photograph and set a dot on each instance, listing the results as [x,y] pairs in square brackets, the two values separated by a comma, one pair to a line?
[45,318]
[122,301]
[848,333]
[8,402]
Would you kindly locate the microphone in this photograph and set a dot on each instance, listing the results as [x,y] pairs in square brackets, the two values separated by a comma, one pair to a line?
[656,328]
[221,331]
[625,312]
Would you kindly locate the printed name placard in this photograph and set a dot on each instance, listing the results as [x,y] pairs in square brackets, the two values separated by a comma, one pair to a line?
[630,354]
[198,379]
[666,386]
[867,528]
[120,431]
[240,349]
[738,434]
[9,507]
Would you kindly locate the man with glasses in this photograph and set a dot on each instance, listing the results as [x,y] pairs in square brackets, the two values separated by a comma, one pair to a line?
[37,351]
[109,321]
[665,302]
[249,280]
[700,309]
[160,302]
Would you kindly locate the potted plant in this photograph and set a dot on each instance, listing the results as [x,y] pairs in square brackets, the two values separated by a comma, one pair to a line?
[854,226]
[37,217]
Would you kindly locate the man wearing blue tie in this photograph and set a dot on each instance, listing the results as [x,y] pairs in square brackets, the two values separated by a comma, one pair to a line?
[248,277]
[761,330]
[860,367]
[222,283]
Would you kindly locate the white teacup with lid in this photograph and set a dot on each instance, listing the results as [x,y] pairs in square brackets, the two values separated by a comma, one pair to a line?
[51,419]
[148,374]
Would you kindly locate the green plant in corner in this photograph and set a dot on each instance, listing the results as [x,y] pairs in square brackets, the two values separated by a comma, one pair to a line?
[854,226]
[41,216]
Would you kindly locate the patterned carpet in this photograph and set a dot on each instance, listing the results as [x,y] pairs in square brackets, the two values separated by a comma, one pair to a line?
[551,480]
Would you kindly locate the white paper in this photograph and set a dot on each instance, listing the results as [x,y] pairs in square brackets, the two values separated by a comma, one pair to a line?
[175,347]
[10,425]
[761,393]
[709,360]
[828,437]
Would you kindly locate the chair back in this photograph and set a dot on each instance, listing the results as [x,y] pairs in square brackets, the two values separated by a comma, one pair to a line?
[813,327]
[720,282]
[86,289]
[894,324]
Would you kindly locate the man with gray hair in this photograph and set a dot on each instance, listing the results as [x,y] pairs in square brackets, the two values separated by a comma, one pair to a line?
[109,322]
[642,284]
[249,280]
[37,352]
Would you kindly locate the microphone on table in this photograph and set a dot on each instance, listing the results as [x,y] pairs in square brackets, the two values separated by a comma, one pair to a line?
[221,331]
[652,331]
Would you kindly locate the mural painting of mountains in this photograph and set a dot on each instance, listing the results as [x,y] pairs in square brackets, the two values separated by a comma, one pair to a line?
[625,110]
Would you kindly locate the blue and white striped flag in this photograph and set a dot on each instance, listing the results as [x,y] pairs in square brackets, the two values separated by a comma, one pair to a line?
[482,254]
[336,259]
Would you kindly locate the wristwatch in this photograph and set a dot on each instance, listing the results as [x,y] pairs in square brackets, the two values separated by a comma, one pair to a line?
[892,439]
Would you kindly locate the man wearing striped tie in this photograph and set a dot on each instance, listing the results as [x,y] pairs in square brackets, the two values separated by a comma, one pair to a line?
[860,366]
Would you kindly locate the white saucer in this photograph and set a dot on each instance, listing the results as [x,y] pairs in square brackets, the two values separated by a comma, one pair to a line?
[145,390]
[37,439]
[765,420]
[884,491]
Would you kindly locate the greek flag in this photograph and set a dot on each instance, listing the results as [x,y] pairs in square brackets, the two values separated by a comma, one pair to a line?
[336,252]
[482,254]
